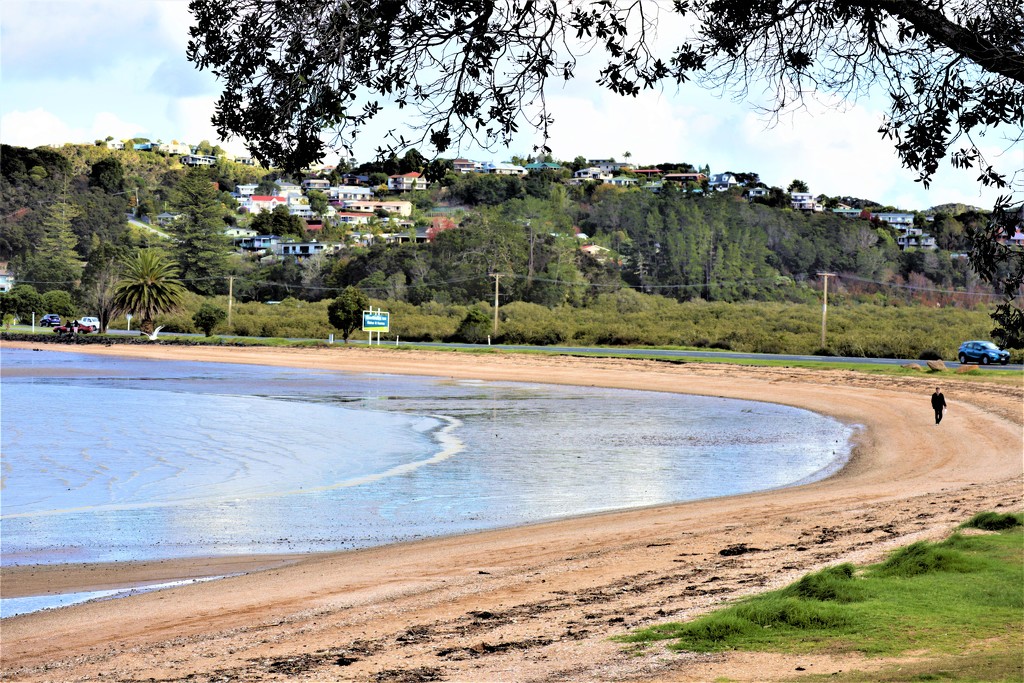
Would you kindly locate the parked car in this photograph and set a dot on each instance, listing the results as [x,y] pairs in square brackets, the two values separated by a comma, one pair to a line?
[50,320]
[983,352]
[92,322]
[74,327]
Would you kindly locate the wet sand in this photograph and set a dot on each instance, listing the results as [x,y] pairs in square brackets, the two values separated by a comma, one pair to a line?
[540,602]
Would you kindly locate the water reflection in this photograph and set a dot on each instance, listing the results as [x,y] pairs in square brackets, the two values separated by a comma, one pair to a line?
[201,459]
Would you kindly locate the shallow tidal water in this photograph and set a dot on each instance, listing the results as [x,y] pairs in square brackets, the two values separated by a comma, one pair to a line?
[107,459]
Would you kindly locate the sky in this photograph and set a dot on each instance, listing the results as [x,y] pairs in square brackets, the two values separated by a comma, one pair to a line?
[80,70]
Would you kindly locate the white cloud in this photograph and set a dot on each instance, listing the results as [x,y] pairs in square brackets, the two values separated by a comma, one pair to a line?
[190,118]
[62,40]
[41,127]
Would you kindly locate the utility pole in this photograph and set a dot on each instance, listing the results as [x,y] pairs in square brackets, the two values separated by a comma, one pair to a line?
[497,277]
[231,297]
[824,306]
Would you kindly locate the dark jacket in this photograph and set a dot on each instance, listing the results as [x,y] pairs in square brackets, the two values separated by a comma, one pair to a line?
[938,401]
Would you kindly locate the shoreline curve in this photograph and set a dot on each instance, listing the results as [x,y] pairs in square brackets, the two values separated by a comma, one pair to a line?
[906,479]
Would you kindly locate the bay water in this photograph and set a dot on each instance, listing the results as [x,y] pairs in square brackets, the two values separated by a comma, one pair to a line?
[108,459]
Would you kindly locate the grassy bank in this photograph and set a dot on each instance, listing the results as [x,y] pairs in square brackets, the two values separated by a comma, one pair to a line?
[629,319]
[958,606]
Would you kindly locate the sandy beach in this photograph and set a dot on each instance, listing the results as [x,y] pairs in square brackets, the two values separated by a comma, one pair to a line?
[540,603]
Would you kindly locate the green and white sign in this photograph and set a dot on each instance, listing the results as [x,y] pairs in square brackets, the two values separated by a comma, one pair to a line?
[376,321]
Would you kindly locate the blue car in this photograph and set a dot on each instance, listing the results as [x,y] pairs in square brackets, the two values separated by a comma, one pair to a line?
[983,352]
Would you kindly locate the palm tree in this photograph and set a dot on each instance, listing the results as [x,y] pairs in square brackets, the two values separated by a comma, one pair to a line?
[149,286]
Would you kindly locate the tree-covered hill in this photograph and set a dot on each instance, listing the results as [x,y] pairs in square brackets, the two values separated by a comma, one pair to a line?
[547,242]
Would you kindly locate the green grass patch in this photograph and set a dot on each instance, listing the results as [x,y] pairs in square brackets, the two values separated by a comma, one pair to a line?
[994,521]
[937,598]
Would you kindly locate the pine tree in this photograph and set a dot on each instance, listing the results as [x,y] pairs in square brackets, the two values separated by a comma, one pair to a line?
[201,248]
[56,263]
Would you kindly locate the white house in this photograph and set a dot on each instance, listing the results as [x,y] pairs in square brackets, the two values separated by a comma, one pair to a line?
[300,210]
[303,250]
[914,238]
[237,235]
[502,168]
[259,242]
[115,144]
[592,173]
[755,192]
[352,217]
[258,203]
[722,181]
[6,279]
[896,220]
[622,181]
[344,192]
[174,147]
[284,187]
[805,201]
[198,160]
[609,166]
[402,208]
[407,182]
[246,190]
[316,184]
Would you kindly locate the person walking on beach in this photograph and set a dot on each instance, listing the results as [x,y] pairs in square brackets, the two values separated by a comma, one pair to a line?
[938,403]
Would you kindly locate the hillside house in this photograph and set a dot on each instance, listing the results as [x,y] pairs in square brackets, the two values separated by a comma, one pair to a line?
[896,220]
[502,168]
[6,279]
[174,148]
[755,192]
[850,213]
[284,188]
[592,173]
[402,208]
[914,238]
[301,210]
[344,192]
[538,166]
[622,181]
[439,224]
[720,182]
[466,166]
[407,182]
[648,172]
[805,201]
[258,203]
[597,252]
[236,233]
[352,217]
[683,178]
[258,243]
[609,166]
[316,184]
[246,190]
[198,160]
[303,250]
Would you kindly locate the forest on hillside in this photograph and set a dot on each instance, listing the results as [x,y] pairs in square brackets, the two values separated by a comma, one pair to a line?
[65,210]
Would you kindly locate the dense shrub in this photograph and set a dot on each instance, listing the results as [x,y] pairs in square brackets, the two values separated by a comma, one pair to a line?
[993,521]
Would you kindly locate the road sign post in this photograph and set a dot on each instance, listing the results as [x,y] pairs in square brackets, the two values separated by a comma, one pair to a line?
[376,321]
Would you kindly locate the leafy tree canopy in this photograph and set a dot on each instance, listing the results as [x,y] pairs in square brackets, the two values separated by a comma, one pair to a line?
[346,312]
[208,316]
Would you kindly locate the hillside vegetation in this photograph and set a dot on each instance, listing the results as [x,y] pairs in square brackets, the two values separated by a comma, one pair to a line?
[677,267]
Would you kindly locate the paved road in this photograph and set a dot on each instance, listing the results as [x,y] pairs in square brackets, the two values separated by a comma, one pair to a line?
[650,353]
[715,355]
